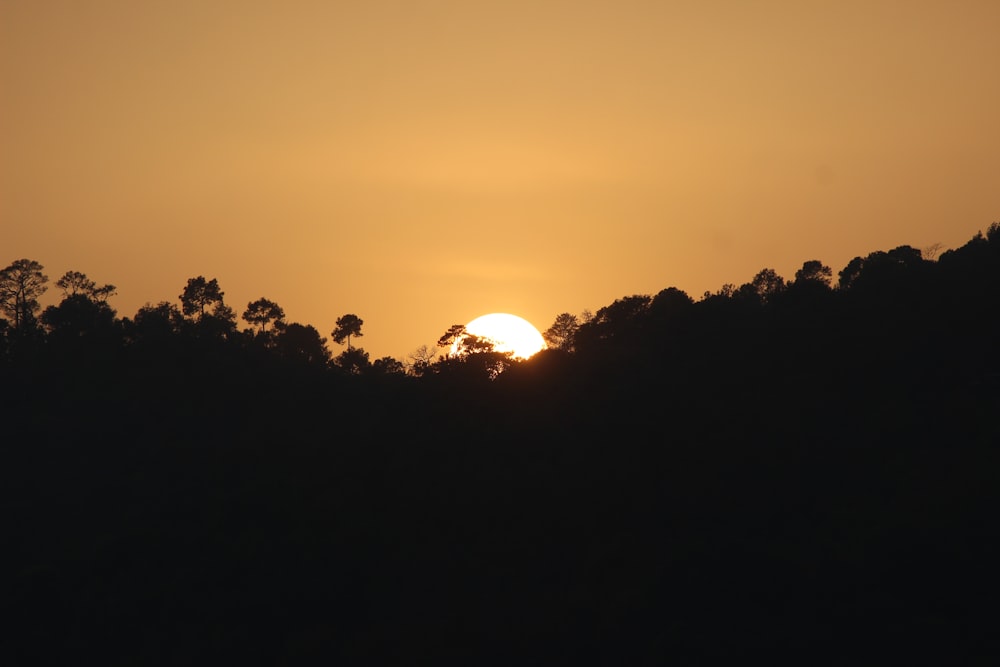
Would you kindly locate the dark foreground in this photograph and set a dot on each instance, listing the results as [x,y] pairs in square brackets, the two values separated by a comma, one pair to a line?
[302,523]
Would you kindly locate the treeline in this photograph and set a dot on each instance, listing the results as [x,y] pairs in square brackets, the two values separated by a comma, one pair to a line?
[84,323]
[894,292]
[800,469]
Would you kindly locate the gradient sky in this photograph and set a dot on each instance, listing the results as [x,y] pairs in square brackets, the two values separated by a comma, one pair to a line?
[422,163]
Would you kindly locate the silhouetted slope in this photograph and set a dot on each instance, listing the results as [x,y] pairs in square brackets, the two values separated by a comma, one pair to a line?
[805,473]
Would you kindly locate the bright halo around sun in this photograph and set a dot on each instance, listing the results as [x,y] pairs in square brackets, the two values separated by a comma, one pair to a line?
[508,333]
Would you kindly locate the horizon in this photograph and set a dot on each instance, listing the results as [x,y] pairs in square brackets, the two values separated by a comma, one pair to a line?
[420,166]
[51,297]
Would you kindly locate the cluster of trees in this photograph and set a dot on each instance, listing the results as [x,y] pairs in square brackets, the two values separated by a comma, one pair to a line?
[901,281]
[796,467]
[84,322]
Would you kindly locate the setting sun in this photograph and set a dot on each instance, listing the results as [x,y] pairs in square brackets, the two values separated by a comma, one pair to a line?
[508,333]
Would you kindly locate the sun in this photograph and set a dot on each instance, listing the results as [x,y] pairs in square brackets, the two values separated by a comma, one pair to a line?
[508,333]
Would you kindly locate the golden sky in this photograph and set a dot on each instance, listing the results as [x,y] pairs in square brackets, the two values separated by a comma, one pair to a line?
[421,163]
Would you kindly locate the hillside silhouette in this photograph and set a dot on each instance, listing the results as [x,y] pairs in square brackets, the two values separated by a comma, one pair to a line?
[801,469]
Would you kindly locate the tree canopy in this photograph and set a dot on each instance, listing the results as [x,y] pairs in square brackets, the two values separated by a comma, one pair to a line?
[347,326]
[21,284]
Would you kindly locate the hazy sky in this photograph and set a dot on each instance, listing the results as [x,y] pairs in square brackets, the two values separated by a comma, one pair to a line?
[422,163]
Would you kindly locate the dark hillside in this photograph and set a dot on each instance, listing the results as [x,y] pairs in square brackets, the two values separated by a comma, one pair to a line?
[803,471]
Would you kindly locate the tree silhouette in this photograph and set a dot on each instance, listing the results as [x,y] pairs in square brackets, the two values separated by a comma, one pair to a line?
[882,270]
[810,290]
[470,344]
[200,296]
[453,334]
[724,293]
[931,252]
[262,312]
[302,344]
[421,360]
[83,315]
[993,232]
[352,361]
[764,286]
[221,322]
[77,317]
[669,304]
[469,351]
[465,343]
[619,322]
[202,301]
[73,283]
[156,323]
[561,335]
[814,271]
[388,366]
[21,283]
[347,326]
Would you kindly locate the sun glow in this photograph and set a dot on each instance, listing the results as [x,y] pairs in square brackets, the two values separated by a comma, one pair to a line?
[508,333]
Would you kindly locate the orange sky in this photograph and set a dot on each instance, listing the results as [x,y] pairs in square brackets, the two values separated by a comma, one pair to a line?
[422,163]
